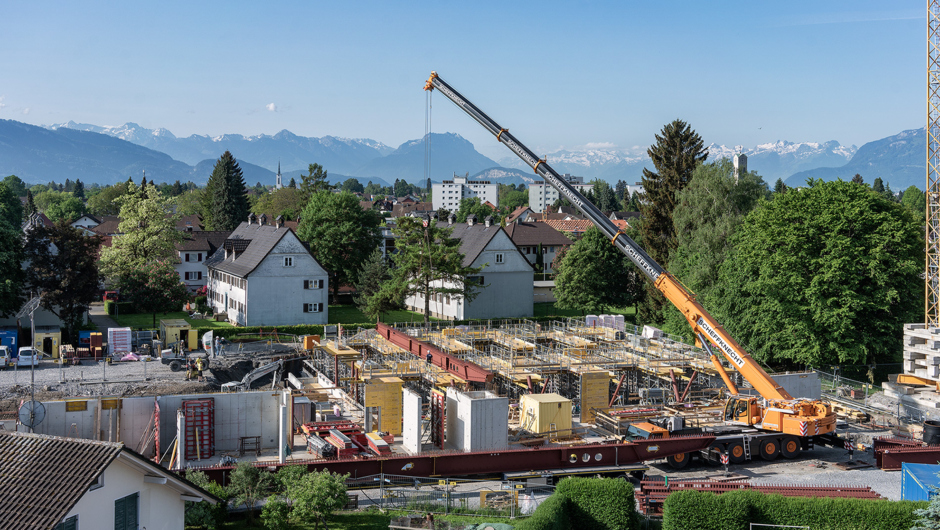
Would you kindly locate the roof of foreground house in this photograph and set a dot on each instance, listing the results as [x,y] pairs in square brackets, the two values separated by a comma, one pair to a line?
[250,243]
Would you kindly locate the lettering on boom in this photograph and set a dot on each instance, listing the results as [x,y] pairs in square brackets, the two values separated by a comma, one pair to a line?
[716,338]
[642,263]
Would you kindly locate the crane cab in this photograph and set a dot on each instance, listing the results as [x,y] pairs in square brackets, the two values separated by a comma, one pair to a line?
[743,410]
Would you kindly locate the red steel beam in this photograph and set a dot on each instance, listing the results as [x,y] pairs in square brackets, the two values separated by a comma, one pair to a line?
[463,369]
[616,390]
[455,464]
[688,387]
[675,386]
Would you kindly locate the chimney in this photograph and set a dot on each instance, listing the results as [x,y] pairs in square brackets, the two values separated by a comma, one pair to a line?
[471,219]
[251,218]
[279,221]
[488,221]
[451,219]
[262,220]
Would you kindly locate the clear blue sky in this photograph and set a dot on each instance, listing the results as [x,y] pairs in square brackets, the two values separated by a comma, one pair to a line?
[558,74]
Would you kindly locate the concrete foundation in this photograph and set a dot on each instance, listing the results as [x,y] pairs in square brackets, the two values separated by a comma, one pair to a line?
[477,421]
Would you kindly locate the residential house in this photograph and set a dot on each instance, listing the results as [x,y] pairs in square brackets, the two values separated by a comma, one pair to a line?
[193,252]
[403,209]
[59,483]
[86,222]
[520,212]
[507,278]
[263,275]
[529,237]
[623,216]
[575,228]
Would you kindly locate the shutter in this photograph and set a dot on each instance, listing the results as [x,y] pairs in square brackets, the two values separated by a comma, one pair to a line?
[199,275]
[130,508]
[321,306]
[120,514]
[321,284]
[306,284]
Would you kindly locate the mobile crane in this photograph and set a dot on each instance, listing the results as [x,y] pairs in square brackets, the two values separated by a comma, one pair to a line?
[771,425]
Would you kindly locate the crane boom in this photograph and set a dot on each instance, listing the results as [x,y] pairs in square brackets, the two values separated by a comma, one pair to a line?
[701,321]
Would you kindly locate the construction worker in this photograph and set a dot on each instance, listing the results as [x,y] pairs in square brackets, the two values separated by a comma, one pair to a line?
[200,366]
[190,369]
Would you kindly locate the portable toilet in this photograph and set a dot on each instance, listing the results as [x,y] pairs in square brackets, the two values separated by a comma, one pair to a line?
[173,330]
[541,413]
[47,340]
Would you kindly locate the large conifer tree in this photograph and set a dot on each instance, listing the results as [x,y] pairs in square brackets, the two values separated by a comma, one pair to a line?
[225,204]
[675,155]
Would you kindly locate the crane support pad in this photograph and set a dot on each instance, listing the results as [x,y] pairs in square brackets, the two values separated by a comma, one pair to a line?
[465,370]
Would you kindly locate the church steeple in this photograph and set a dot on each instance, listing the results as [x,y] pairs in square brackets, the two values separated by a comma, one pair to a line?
[278,184]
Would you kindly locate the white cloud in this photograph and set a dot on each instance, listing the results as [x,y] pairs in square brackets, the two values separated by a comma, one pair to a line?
[599,145]
[2,104]
[26,110]
[271,107]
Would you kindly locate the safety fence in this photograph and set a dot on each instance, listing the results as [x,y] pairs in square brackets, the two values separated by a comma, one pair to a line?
[488,498]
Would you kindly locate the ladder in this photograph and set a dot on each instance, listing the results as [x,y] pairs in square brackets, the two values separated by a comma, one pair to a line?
[747,447]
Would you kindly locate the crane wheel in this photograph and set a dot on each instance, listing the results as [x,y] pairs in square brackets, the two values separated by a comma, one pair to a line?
[770,449]
[679,461]
[175,366]
[736,453]
[790,447]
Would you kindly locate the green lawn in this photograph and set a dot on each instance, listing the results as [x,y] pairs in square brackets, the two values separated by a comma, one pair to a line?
[348,314]
[145,320]
[549,310]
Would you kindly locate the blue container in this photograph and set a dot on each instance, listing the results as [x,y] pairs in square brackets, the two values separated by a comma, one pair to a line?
[8,337]
[84,339]
[918,481]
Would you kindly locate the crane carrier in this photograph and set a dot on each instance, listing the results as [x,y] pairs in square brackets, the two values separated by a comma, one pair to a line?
[771,425]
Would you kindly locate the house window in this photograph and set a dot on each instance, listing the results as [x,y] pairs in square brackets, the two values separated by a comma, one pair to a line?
[288,261]
[125,512]
[313,284]
[69,524]
[313,308]
[499,257]
[475,279]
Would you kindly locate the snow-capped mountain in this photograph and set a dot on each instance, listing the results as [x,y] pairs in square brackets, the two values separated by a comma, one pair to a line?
[775,160]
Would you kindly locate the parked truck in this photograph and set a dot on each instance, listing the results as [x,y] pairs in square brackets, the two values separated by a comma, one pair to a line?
[771,424]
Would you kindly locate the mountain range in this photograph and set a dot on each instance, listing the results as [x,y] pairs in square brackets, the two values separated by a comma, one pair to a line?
[110,154]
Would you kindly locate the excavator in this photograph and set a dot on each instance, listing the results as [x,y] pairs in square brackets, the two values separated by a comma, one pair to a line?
[771,425]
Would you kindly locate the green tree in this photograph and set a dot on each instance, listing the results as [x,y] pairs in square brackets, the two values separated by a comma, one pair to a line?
[369,297]
[189,202]
[154,288]
[249,484]
[916,201]
[352,185]
[595,275]
[675,155]
[320,494]
[428,263]
[878,185]
[78,190]
[779,186]
[16,185]
[225,204]
[604,197]
[340,233]
[30,206]
[292,184]
[105,201]
[857,179]
[275,515]
[621,189]
[176,190]
[315,181]
[63,266]
[11,209]
[147,234]
[475,207]
[203,514]
[708,212]
[11,268]
[289,202]
[60,205]
[929,517]
[825,276]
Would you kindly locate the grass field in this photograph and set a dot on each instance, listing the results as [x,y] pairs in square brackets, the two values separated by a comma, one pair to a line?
[348,314]
[549,310]
[366,520]
[145,320]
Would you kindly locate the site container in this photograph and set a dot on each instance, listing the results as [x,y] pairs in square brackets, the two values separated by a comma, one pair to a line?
[9,337]
[919,481]
[542,413]
[173,330]
[47,340]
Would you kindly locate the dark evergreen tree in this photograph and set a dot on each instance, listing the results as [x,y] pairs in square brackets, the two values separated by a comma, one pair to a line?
[779,186]
[621,189]
[68,185]
[176,190]
[878,185]
[857,179]
[30,207]
[78,190]
[225,203]
[143,182]
[292,183]
[675,155]
[315,180]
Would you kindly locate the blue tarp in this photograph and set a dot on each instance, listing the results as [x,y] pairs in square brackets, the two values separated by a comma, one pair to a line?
[918,481]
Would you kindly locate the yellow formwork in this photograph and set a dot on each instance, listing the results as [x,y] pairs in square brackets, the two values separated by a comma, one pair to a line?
[595,387]
[385,393]
[542,413]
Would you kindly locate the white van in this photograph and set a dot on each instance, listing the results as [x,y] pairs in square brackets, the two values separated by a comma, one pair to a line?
[28,356]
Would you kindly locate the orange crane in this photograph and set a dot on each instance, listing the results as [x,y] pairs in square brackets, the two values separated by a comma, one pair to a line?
[775,423]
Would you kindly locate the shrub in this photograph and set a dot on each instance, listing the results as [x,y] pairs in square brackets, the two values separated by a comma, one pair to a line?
[552,514]
[697,510]
[603,504]
[119,308]
[275,514]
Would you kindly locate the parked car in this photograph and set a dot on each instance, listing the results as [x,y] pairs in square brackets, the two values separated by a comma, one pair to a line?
[28,356]
[5,358]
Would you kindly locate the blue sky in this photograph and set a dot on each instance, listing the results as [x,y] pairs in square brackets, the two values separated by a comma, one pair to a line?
[558,74]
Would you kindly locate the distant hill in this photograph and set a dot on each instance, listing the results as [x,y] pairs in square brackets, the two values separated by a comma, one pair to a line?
[506,176]
[899,160]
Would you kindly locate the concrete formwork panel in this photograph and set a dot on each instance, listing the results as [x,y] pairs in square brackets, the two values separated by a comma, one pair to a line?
[477,421]
[236,415]
[411,421]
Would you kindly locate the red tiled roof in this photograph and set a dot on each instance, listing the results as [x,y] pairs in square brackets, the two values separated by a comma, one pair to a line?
[577,226]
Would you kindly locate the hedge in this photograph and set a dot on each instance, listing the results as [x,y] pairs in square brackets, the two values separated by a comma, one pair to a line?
[586,503]
[695,510]
[301,329]
[126,308]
